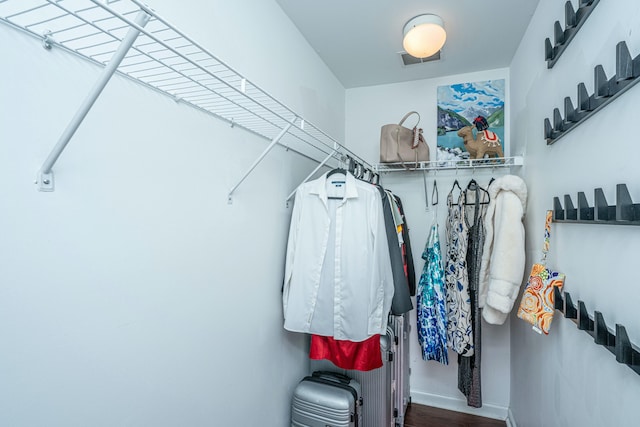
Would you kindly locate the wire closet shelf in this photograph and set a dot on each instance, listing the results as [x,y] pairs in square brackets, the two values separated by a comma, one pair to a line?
[437,165]
[163,58]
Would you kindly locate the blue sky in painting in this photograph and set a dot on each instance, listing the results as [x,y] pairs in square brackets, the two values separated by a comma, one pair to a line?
[458,97]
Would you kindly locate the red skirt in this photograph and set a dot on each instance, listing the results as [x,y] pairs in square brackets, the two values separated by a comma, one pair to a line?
[359,356]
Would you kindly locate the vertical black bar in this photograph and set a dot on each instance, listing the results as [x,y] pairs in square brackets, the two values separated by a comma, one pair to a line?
[601,206]
[624,351]
[569,111]
[569,15]
[570,311]
[585,212]
[601,84]
[583,98]
[584,322]
[558,302]
[602,335]
[548,130]
[558,123]
[624,62]
[624,205]
[548,50]
[558,33]
[569,210]
[558,211]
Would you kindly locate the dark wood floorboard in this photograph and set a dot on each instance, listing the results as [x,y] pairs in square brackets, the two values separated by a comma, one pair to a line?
[427,416]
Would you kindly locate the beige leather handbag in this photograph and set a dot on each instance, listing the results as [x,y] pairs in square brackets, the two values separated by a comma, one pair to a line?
[399,144]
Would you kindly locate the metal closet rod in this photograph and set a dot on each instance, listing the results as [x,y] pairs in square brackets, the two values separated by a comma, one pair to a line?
[320,165]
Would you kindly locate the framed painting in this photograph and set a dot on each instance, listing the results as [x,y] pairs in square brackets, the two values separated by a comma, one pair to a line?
[469,115]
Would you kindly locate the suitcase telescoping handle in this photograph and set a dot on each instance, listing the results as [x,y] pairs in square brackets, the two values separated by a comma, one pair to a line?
[334,376]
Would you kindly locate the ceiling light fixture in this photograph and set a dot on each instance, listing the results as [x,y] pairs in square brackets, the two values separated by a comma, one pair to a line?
[424,35]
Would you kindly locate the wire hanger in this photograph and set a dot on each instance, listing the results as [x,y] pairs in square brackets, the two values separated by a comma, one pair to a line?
[434,193]
[426,191]
[434,203]
[455,184]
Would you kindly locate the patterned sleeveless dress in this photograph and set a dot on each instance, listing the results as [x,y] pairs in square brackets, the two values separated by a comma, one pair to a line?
[469,381]
[459,321]
[431,303]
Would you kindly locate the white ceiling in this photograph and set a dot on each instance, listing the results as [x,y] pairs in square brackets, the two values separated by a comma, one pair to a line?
[359,40]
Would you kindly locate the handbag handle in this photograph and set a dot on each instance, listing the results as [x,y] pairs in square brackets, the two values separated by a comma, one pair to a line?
[417,133]
[547,236]
[406,116]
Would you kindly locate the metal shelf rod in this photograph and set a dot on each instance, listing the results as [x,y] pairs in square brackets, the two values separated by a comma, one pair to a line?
[260,158]
[45,175]
[322,163]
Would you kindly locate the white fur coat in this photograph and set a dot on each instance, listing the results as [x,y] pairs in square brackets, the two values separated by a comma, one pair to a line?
[503,256]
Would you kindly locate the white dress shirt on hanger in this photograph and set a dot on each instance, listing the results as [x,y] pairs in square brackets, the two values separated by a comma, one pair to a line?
[338,279]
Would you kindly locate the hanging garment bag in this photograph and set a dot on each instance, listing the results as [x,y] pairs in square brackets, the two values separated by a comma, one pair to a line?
[327,399]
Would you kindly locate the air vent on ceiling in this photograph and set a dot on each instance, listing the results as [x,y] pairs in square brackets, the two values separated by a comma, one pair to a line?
[412,60]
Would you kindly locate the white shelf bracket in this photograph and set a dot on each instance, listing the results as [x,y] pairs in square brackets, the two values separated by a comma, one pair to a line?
[322,163]
[47,41]
[44,178]
[273,143]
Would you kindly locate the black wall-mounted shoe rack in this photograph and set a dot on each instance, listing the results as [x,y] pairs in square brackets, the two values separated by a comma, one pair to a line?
[624,212]
[562,37]
[606,90]
[617,342]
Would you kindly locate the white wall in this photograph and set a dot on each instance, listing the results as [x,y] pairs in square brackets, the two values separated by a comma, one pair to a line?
[134,294]
[368,108]
[564,379]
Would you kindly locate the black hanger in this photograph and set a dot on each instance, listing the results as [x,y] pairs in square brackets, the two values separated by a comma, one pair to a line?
[359,170]
[455,184]
[351,165]
[366,175]
[473,185]
[434,192]
[335,171]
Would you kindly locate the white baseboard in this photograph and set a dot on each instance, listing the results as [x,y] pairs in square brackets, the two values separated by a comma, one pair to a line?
[511,421]
[459,405]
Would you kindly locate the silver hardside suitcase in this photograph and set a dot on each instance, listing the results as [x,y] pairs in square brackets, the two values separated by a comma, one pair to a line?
[378,386]
[327,399]
[402,327]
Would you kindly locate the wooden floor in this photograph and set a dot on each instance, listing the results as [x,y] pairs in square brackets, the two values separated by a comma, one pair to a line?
[427,416]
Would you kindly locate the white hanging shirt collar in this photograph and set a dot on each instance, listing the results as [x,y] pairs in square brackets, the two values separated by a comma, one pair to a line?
[319,187]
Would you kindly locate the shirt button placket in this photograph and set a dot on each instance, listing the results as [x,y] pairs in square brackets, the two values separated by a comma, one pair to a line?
[337,296]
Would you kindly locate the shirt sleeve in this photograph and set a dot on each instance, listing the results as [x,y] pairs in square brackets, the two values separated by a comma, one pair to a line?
[291,249]
[383,275]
